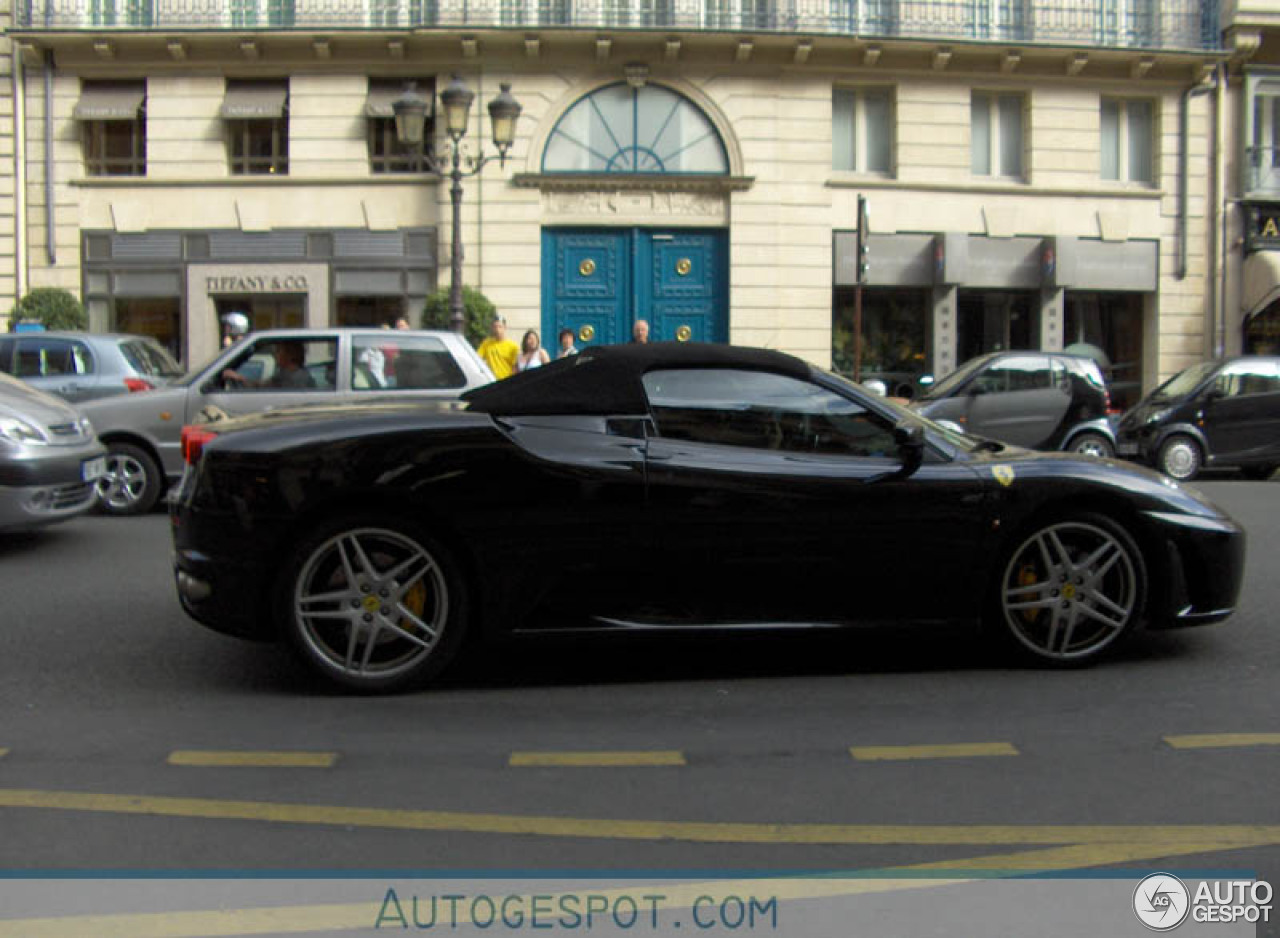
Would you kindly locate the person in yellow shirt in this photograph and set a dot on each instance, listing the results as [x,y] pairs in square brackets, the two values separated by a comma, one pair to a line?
[499,352]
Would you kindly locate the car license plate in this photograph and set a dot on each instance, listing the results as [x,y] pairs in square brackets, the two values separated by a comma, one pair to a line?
[92,469]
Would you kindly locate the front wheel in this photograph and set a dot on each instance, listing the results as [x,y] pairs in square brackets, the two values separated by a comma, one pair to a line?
[1180,458]
[1071,589]
[1093,444]
[372,604]
[132,482]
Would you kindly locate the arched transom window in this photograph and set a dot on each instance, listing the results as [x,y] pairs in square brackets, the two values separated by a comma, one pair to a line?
[621,129]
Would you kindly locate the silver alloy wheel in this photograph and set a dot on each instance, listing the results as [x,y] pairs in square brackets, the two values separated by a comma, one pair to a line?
[125,482]
[1070,590]
[371,604]
[1180,458]
[1093,444]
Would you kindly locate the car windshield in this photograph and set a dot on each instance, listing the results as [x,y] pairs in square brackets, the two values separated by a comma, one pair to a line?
[947,385]
[147,358]
[1184,382]
[961,441]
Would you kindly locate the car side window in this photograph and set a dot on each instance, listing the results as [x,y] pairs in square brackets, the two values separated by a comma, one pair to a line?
[52,357]
[284,365]
[394,360]
[762,410]
[1018,373]
[6,355]
[1243,379]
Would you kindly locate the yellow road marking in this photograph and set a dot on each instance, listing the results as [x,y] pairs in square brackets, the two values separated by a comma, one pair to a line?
[1229,836]
[3,753]
[948,751]
[242,759]
[1223,740]
[590,759]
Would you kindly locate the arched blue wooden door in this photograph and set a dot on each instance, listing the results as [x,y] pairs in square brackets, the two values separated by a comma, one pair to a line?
[599,281]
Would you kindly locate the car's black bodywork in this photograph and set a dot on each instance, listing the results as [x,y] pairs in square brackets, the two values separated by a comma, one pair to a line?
[586,495]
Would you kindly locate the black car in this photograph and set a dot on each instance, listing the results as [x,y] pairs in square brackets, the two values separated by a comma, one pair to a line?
[671,486]
[1041,400]
[1218,413]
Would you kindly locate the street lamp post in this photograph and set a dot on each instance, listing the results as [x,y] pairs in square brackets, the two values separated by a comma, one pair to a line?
[411,115]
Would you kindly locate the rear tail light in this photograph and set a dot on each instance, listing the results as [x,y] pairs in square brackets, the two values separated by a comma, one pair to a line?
[193,440]
[138,384]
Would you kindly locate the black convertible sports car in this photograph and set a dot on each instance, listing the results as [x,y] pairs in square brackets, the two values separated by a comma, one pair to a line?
[666,486]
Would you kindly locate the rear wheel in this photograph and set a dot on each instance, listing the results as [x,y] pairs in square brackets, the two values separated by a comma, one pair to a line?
[373,604]
[1093,444]
[1180,457]
[132,482]
[1071,590]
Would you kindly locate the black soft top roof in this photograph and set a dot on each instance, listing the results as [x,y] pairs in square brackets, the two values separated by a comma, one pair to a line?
[607,379]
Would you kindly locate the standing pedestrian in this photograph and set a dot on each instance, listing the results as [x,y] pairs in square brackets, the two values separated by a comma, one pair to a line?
[499,352]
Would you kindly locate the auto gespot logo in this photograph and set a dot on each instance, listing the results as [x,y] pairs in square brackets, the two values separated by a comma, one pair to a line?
[1162,901]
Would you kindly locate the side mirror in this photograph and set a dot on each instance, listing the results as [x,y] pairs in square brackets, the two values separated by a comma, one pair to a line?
[909,437]
[1214,394]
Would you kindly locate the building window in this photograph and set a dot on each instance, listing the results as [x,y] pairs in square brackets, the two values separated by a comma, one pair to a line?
[637,12]
[121,12]
[257,115]
[1128,135]
[402,12]
[620,129]
[113,129]
[738,14]
[251,13]
[997,140]
[862,130]
[535,12]
[386,153]
[866,17]
[1127,22]
[1262,134]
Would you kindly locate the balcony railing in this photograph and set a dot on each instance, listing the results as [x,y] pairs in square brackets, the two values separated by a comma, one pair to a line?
[1190,25]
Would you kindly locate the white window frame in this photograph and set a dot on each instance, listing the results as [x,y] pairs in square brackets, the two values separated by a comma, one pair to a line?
[995,141]
[1124,157]
[1260,167]
[861,130]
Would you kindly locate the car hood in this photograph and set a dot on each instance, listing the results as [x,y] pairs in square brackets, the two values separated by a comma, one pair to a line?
[18,399]
[1150,489]
[109,410]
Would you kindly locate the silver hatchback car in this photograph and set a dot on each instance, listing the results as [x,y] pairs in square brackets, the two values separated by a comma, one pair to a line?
[266,371]
[50,461]
[84,366]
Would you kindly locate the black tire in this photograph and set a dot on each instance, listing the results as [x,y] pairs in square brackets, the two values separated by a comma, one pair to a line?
[133,481]
[1069,590]
[412,628]
[1180,457]
[1092,444]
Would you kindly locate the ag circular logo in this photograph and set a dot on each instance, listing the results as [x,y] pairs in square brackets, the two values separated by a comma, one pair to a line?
[1161,901]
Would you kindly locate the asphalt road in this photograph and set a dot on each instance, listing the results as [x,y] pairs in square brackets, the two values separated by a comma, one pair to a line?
[739,753]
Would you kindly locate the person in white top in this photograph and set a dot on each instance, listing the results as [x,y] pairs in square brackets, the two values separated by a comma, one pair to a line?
[532,354]
[567,347]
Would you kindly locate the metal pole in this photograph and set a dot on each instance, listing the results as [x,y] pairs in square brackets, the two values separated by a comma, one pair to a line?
[857,332]
[457,313]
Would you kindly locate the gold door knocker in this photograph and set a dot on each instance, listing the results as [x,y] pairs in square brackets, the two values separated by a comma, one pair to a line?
[683,266]
[684,334]
[587,267]
[586,333]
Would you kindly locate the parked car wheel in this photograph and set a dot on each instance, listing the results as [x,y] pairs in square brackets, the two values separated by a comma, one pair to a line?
[1180,458]
[132,482]
[372,604]
[1093,444]
[1071,589]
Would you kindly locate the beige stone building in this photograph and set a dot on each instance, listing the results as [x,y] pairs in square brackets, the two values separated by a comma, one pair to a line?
[1038,173]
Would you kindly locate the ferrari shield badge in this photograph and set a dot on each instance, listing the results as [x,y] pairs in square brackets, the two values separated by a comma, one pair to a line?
[1003,474]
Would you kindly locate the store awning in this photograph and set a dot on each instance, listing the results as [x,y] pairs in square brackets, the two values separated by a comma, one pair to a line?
[109,104]
[254,103]
[1261,278]
[381,101]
